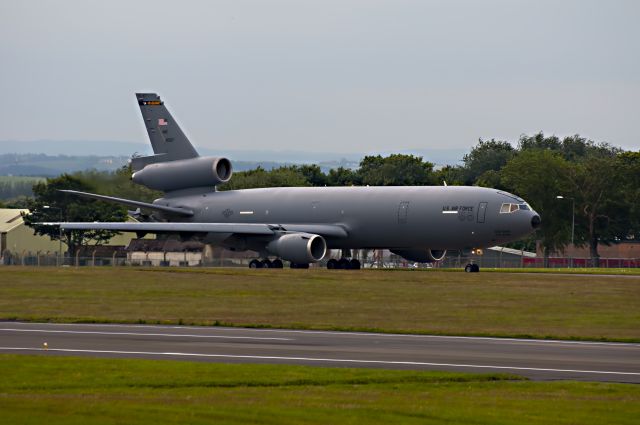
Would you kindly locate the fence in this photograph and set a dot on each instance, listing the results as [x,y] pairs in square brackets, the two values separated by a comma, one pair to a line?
[195,259]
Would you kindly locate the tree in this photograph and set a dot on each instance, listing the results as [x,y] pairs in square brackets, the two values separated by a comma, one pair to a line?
[572,148]
[600,201]
[630,172]
[485,156]
[491,178]
[396,170]
[342,176]
[312,174]
[539,141]
[278,177]
[51,205]
[539,176]
[453,175]
[118,183]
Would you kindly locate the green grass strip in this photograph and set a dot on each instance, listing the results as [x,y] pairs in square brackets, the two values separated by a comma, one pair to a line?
[574,307]
[73,390]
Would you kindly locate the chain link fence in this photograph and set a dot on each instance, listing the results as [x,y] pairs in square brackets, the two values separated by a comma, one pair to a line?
[368,260]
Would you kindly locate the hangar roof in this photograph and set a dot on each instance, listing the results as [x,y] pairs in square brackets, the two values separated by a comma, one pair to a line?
[10,218]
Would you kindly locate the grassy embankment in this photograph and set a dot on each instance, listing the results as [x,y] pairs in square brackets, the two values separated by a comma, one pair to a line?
[71,390]
[491,304]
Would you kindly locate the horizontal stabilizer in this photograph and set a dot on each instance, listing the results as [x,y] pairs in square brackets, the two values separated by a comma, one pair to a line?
[138,204]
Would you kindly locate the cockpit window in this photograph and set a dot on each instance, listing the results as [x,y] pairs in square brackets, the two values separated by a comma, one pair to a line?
[507,208]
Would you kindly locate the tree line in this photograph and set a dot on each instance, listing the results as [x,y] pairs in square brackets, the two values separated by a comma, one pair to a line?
[599,185]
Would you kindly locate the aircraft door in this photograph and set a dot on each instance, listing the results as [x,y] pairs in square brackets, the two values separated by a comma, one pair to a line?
[482,211]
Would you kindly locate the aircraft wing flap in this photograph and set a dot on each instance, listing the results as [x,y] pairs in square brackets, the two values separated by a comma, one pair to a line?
[162,227]
[326,230]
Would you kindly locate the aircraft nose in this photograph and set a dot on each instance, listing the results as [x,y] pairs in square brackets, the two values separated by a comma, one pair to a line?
[535,221]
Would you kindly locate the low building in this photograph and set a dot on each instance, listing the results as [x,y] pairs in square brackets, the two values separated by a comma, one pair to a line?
[17,238]
[164,252]
[18,241]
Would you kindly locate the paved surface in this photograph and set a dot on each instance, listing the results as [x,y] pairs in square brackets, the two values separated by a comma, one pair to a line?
[536,359]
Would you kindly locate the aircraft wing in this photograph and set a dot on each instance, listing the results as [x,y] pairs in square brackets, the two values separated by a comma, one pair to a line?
[327,230]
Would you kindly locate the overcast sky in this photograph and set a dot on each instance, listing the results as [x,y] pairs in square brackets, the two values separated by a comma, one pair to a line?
[336,76]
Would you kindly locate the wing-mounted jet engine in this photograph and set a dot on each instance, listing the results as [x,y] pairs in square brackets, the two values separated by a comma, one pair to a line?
[422,255]
[299,248]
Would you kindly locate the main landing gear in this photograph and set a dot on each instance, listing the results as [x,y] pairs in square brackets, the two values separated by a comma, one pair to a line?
[343,264]
[266,264]
[472,268]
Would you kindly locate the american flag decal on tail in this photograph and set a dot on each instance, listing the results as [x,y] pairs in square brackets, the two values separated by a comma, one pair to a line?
[162,121]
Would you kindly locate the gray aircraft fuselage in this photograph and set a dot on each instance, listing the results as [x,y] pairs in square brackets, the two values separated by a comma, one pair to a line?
[298,224]
[435,217]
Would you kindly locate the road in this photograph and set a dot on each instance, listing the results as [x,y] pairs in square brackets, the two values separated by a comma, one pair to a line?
[536,359]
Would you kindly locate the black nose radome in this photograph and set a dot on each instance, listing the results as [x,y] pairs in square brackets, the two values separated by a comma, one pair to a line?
[535,221]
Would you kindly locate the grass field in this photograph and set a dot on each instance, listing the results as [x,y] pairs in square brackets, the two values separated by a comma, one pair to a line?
[496,304]
[578,271]
[71,390]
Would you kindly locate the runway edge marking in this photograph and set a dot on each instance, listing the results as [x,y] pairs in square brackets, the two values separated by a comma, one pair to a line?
[320,360]
[346,333]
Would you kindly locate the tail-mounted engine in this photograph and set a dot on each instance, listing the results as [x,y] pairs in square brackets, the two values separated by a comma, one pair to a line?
[184,174]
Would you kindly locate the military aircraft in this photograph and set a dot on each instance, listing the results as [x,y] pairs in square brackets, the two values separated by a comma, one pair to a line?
[299,224]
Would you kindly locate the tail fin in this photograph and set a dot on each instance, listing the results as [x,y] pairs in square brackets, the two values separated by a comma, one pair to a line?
[167,139]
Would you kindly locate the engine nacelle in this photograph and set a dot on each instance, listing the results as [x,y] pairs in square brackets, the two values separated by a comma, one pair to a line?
[299,247]
[184,173]
[421,255]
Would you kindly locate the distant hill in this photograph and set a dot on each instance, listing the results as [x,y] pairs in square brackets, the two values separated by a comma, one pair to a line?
[49,166]
[439,156]
[74,148]
[41,165]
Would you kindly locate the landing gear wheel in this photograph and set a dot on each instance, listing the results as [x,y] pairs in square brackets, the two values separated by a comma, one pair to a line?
[266,264]
[332,264]
[354,264]
[472,268]
[277,264]
[343,264]
[255,264]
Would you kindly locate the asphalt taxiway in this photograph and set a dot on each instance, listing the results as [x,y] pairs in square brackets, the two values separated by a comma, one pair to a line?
[536,359]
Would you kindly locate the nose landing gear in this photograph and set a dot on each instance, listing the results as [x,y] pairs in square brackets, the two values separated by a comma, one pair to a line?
[472,268]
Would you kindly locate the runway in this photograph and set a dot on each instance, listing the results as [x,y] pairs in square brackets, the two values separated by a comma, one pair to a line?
[536,359]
